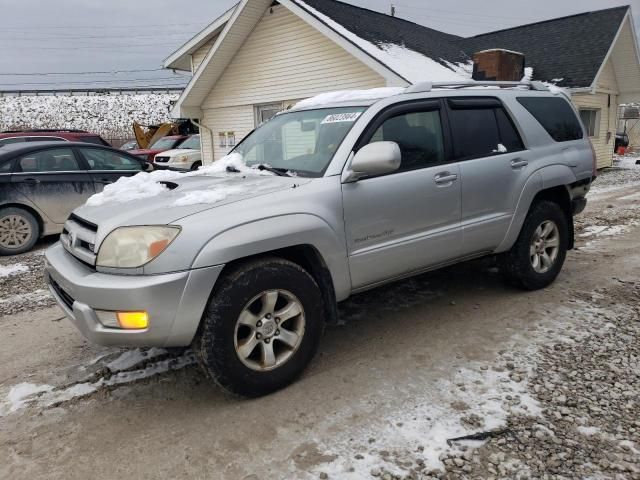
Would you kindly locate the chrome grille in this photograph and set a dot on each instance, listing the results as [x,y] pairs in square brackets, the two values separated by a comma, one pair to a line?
[79,238]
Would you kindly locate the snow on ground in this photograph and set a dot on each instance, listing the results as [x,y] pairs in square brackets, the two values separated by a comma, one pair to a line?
[109,115]
[123,370]
[15,269]
[411,65]
[624,173]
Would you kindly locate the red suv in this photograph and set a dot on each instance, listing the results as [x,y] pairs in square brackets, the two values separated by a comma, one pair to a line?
[21,136]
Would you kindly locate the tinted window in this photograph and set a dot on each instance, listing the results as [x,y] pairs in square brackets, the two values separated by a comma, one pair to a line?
[93,140]
[509,136]
[555,115]
[7,141]
[5,167]
[475,133]
[99,159]
[53,160]
[419,135]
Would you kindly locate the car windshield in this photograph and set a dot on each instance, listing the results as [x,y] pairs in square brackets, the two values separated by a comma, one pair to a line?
[300,142]
[164,143]
[192,143]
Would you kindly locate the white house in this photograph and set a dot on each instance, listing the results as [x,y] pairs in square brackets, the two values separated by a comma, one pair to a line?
[263,56]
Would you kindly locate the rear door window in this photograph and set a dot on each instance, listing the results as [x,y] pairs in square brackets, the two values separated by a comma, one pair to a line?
[556,116]
[52,160]
[481,128]
[99,159]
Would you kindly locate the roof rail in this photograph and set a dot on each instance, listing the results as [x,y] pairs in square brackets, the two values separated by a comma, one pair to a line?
[428,86]
[46,130]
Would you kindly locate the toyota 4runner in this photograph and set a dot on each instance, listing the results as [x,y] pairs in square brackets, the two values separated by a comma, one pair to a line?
[247,263]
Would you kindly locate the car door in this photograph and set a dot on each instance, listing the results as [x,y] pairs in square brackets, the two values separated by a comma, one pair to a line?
[54,180]
[408,220]
[494,167]
[107,166]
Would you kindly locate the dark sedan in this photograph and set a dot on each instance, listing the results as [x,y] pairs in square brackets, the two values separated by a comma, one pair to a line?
[41,183]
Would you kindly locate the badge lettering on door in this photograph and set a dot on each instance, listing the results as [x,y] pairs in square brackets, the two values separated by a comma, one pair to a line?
[374,236]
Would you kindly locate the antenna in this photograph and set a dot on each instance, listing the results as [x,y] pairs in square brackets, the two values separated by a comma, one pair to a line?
[393,10]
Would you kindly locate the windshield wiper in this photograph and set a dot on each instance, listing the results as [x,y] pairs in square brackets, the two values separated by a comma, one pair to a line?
[281,172]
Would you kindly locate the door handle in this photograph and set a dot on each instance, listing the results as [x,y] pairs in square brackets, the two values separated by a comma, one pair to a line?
[31,181]
[445,178]
[519,163]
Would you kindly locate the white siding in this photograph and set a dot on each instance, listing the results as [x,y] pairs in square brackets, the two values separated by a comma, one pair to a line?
[198,55]
[283,59]
[625,61]
[607,80]
[599,101]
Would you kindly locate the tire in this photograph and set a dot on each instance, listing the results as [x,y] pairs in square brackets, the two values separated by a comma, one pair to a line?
[224,343]
[196,166]
[520,266]
[19,231]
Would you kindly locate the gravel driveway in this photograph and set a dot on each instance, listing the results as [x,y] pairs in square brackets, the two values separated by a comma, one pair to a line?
[448,375]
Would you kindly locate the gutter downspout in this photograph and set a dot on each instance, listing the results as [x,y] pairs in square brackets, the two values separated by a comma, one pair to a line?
[206,129]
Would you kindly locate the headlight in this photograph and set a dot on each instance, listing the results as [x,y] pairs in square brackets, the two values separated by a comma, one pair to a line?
[132,247]
[183,158]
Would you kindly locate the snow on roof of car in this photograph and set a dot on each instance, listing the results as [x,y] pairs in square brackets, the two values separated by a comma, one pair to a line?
[343,96]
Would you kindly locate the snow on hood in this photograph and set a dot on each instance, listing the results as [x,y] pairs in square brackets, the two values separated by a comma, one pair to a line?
[147,185]
[411,65]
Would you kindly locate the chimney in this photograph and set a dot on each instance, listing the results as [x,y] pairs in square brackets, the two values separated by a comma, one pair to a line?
[498,65]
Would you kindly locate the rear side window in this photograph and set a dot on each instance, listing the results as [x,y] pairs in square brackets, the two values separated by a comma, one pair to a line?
[53,160]
[555,115]
[99,159]
[481,129]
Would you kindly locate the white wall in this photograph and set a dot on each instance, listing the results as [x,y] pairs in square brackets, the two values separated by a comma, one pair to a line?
[283,59]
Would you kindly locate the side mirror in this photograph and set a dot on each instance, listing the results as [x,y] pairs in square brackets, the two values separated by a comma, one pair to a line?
[374,159]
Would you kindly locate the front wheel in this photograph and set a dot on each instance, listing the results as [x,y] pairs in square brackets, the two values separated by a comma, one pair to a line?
[196,165]
[261,328]
[538,255]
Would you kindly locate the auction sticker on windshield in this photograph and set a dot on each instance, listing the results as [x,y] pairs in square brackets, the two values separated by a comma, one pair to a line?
[341,117]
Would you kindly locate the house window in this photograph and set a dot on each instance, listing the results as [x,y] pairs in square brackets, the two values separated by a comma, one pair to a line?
[266,112]
[591,121]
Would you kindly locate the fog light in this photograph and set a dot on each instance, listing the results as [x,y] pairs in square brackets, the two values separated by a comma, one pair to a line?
[133,320]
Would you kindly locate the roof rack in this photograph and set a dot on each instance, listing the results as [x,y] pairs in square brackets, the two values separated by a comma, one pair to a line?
[428,86]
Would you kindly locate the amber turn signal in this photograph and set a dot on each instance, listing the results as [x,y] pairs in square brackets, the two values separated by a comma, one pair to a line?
[133,320]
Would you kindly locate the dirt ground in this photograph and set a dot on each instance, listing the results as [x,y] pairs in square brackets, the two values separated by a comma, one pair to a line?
[551,378]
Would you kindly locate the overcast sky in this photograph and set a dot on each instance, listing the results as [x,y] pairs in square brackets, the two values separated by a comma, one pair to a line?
[52,36]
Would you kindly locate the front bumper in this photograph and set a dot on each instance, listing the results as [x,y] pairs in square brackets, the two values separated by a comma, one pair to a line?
[175,302]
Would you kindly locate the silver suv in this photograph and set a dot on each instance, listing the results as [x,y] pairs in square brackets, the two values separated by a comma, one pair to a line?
[247,263]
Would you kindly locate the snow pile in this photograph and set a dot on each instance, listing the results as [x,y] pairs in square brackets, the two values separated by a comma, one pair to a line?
[110,116]
[528,74]
[10,270]
[411,65]
[147,185]
[210,196]
[350,96]
[20,394]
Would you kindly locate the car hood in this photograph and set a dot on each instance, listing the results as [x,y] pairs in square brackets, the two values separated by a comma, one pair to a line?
[184,197]
[180,151]
[145,151]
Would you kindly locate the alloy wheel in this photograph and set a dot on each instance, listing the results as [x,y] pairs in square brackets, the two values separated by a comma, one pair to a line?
[15,231]
[545,246]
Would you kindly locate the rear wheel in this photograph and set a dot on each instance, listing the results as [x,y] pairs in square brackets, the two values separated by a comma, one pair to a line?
[19,231]
[196,165]
[538,255]
[261,328]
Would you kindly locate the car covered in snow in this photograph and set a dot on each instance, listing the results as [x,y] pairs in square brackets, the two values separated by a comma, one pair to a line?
[186,157]
[42,182]
[246,259]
